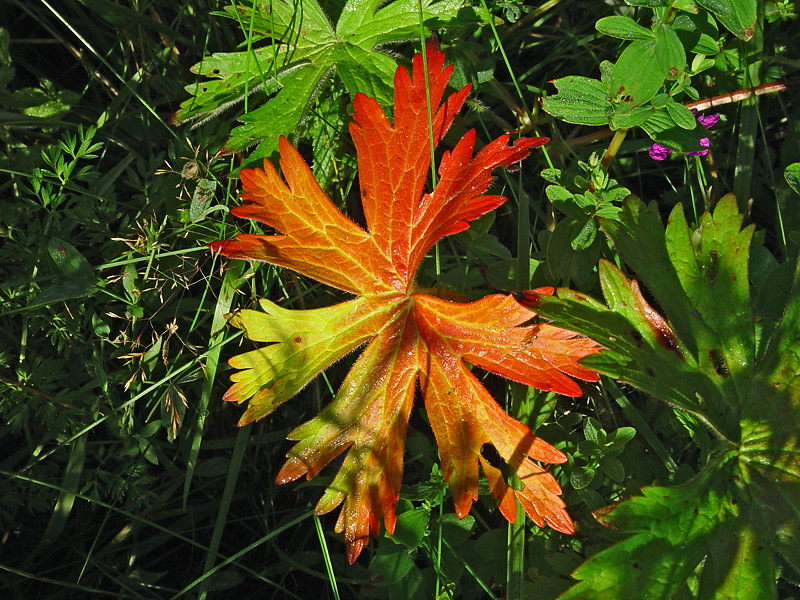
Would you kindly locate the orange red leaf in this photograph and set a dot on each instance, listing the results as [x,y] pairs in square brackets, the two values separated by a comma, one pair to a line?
[410,336]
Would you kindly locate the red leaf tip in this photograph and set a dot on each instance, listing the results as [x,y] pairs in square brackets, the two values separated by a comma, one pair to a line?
[532,298]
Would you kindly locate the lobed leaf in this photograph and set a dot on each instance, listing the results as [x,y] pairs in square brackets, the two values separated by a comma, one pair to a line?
[410,335]
[729,521]
[281,79]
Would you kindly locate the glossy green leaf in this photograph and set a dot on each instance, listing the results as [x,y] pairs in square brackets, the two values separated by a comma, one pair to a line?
[670,54]
[738,16]
[623,28]
[580,100]
[636,77]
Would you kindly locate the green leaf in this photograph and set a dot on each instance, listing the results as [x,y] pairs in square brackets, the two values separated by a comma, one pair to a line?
[580,100]
[636,77]
[584,238]
[737,567]
[633,118]
[201,199]
[581,477]
[612,467]
[618,439]
[556,194]
[564,263]
[682,116]
[738,16]
[280,115]
[590,428]
[698,32]
[623,28]
[770,302]
[410,527]
[709,358]
[281,79]
[70,262]
[63,291]
[456,531]
[670,54]
[792,176]
[671,532]
[391,563]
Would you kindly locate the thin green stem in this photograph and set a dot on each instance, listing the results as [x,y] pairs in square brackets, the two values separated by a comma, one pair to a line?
[326,557]
[427,93]
[613,147]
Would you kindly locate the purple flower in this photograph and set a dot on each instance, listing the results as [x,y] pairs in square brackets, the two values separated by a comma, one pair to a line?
[659,152]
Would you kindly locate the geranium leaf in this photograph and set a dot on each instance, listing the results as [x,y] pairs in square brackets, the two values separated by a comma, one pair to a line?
[732,517]
[410,335]
[282,78]
[672,529]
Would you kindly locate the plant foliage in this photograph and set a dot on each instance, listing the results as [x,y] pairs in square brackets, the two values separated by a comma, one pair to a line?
[411,334]
[726,354]
[306,48]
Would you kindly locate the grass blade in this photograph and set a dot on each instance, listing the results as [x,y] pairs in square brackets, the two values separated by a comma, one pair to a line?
[229,285]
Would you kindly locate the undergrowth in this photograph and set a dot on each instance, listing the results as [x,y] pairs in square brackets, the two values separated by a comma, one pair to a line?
[121,471]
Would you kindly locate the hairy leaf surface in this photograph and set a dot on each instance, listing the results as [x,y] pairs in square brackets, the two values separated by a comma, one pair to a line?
[410,336]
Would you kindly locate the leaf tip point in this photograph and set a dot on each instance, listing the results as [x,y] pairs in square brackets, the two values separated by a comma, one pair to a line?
[528,299]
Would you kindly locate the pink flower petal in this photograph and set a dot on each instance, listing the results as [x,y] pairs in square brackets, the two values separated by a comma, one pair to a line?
[708,121]
[659,152]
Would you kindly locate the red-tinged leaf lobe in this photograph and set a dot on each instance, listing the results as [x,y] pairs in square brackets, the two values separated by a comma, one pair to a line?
[318,241]
[394,160]
[457,198]
[490,333]
[464,418]
[369,416]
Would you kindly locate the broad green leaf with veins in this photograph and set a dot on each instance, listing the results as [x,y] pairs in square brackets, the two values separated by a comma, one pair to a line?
[409,335]
[744,506]
[282,78]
